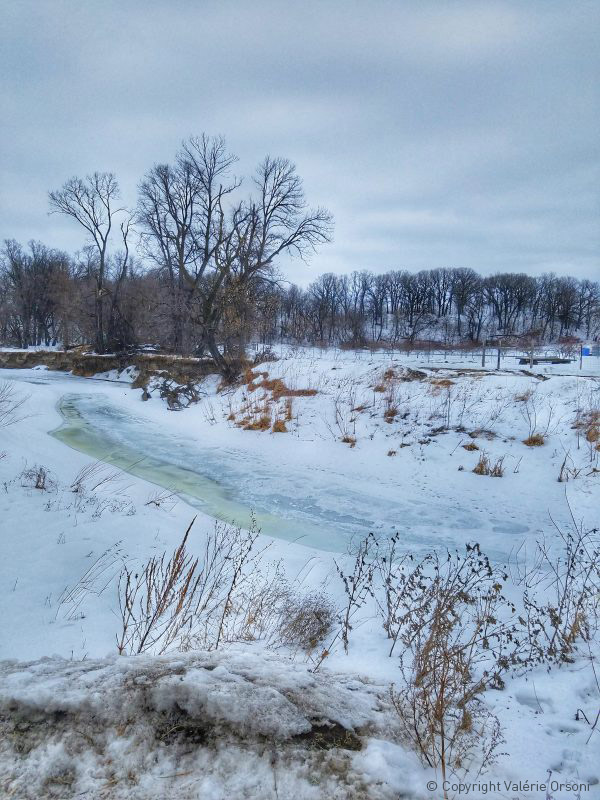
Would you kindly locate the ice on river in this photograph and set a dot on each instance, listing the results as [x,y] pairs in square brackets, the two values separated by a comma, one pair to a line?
[315,507]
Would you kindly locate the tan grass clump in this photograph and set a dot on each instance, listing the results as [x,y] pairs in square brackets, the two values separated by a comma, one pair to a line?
[485,467]
[535,440]
[390,413]
[443,383]
[263,423]
[276,386]
[471,446]
[588,423]
[279,426]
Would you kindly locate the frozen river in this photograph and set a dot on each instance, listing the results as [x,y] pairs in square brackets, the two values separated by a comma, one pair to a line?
[314,507]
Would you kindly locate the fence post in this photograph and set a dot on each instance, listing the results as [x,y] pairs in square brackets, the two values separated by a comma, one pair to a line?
[483,354]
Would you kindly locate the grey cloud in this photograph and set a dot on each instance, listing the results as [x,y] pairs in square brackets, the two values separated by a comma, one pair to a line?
[440,134]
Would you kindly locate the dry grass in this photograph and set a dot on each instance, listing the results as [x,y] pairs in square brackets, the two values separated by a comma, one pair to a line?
[276,386]
[351,440]
[390,413]
[471,447]
[442,383]
[485,467]
[535,440]
[523,397]
[588,423]
[263,423]
[379,387]
[279,426]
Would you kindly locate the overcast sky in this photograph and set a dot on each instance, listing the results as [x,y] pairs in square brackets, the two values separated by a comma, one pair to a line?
[438,133]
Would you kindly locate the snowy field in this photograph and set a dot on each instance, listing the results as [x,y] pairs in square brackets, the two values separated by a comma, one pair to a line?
[321,448]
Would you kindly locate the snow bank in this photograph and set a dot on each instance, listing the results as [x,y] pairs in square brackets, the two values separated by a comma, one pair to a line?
[201,725]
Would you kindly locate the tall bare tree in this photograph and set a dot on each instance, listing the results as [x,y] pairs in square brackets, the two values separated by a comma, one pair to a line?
[274,222]
[91,201]
[211,253]
[180,210]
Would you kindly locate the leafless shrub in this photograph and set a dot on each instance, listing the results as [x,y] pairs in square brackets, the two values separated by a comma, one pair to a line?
[560,598]
[568,470]
[11,404]
[450,727]
[306,619]
[358,584]
[181,601]
[38,477]
[538,412]
[344,403]
[454,624]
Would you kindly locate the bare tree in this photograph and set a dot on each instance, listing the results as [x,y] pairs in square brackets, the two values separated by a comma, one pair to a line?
[275,222]
[91,202]
[181,212]
[211,254]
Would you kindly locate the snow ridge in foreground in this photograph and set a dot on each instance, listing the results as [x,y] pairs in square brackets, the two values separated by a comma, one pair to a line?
[199,725]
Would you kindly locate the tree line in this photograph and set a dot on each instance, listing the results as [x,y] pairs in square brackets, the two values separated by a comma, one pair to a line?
[193,269]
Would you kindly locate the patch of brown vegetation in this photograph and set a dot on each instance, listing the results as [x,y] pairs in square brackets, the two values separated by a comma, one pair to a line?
[390,414]
[263,423]
[588,423]
[483,433]
[535,440]
[351,440]
[443,383]
[471,446]
[523,397]
[279,426]
[276,386]
[485,467]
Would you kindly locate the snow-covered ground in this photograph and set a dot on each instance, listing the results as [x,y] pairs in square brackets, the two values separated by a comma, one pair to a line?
[379,447]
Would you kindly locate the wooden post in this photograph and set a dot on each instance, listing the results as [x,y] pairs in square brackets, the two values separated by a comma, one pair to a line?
[483,354]
[531,355]
[498,361]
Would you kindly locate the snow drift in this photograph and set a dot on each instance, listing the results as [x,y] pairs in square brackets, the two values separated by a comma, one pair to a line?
[202,725]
